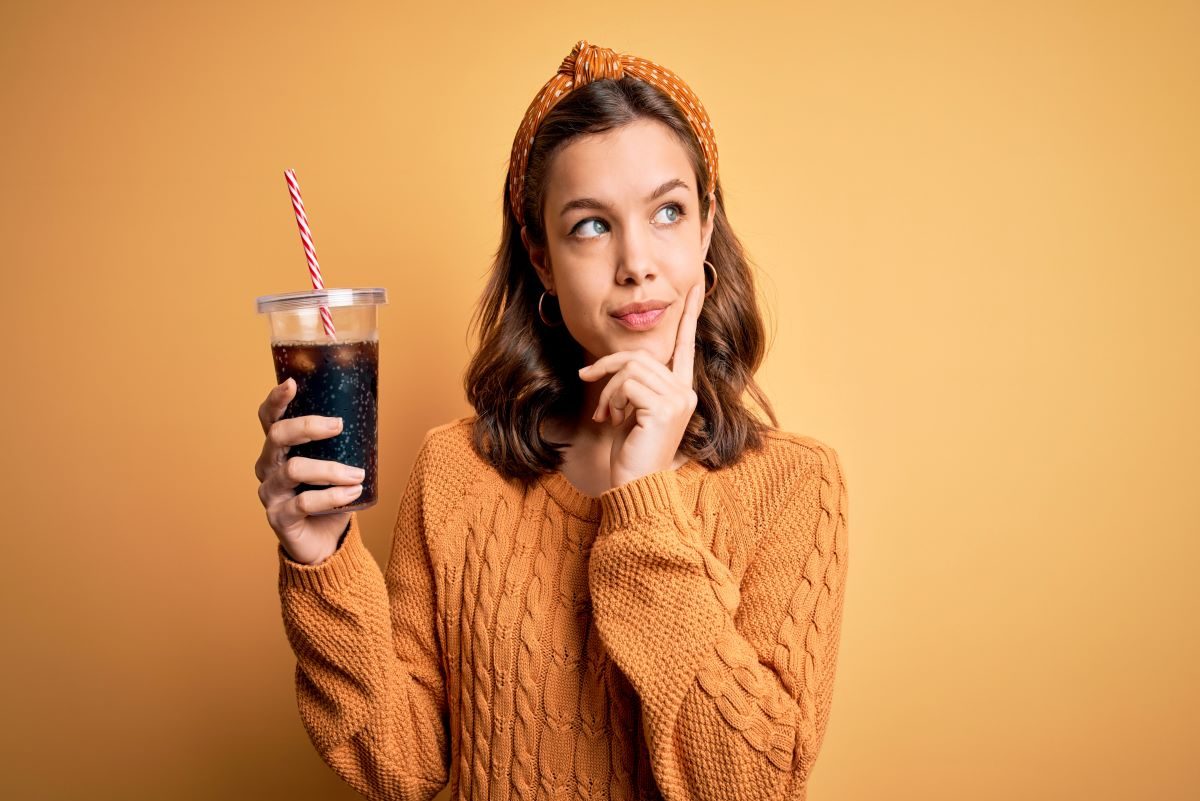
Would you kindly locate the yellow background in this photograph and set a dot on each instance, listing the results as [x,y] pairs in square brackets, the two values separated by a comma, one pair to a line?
[977,231]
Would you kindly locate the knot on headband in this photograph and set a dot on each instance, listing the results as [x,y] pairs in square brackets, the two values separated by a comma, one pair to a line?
[587,63]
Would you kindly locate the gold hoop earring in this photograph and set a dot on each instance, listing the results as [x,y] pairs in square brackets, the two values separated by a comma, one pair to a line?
[709,291]
[543,316]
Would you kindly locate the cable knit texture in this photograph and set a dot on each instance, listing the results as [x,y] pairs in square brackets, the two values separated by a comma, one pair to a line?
[675,638]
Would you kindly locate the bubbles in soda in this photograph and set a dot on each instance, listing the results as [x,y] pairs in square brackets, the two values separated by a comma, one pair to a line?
[336,379]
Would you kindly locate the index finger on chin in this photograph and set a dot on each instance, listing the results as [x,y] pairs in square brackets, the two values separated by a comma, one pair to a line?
[685,342]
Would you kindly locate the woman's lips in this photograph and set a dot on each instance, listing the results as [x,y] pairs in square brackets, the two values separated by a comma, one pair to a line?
[641,322]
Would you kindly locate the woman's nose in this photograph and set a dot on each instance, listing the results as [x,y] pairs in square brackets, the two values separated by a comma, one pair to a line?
[635,255]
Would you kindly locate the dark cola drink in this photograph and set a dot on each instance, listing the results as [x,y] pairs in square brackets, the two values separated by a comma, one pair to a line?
[336,379]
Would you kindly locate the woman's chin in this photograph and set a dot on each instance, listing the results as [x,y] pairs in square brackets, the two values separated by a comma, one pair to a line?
[635,341]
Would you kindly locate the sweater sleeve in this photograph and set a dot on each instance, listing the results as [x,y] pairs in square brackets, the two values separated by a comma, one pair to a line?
[722,719]
[369,680]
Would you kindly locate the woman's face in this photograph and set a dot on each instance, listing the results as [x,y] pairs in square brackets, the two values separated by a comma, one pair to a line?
[622,225]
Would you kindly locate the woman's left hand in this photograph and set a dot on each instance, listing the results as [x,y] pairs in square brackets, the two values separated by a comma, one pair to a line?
[649,402]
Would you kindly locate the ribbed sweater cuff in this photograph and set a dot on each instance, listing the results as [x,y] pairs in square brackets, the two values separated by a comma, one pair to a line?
[340,569]
[654,494]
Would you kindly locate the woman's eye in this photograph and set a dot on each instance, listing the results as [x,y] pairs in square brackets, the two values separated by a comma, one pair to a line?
[589,228]
[675,212]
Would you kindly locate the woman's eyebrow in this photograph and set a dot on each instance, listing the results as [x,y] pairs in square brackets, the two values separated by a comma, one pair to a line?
[592,203]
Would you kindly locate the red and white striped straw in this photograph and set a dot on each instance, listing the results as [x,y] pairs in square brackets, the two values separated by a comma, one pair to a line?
[310,253]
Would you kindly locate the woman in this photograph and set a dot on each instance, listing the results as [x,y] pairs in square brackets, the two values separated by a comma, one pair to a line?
[612,580]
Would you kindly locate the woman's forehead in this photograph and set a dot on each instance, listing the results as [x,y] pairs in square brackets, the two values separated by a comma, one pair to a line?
[634,159]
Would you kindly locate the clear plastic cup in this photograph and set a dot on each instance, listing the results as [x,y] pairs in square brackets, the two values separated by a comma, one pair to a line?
[335,377]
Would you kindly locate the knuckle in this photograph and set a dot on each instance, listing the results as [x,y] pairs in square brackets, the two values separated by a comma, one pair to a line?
[276,433]
[292,468]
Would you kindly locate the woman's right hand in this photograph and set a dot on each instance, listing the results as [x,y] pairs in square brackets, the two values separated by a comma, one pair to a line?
[309,539]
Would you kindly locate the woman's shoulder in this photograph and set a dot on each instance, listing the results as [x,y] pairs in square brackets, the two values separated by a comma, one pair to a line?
[447,468]
[450,444]
[453,430]
[787,464]
[791,448]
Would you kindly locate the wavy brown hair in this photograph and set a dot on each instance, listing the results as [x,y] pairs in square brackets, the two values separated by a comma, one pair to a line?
[525,372]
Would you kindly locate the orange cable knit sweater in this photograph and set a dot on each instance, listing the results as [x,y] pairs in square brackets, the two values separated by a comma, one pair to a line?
[675,638]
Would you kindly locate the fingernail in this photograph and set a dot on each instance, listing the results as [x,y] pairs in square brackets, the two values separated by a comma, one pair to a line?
[357,473]
[335,422]
[357,488]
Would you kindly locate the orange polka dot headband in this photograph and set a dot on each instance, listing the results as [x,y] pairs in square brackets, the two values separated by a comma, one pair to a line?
[588,63]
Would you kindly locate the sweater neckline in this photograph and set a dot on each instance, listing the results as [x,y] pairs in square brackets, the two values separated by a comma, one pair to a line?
[588,507]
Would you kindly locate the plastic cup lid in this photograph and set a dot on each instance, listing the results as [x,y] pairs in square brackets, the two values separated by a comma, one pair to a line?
[314,298]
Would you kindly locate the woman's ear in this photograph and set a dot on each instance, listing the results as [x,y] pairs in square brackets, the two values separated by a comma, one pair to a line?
[537,257]
[706,229]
